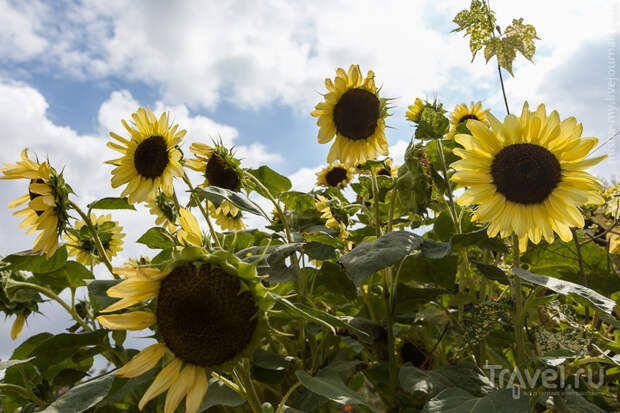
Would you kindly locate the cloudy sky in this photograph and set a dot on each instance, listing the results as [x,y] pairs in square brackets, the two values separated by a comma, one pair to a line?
[251,71]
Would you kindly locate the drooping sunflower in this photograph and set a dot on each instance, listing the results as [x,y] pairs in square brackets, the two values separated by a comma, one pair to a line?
[166,211]
[47,198]
[335,175]
[189,234]
[335,217]
[209,314]
[462,114]
[527,174]
[150,158]
[81,244]
[217,164]
[227,216]
[415,110]
[388,169]
[355,114]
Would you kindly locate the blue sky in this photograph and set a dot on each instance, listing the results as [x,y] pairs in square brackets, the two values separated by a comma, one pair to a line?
[251,72]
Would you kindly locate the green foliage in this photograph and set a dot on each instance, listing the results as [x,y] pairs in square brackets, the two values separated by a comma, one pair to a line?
[111,203]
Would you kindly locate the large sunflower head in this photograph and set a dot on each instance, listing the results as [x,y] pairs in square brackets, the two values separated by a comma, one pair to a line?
[355,114]
[81,244]
[47,201]
[217,164]
[527,174]
[165,209]
[208,314]
[227,216]
[462,113]
[150,156]
[335,175]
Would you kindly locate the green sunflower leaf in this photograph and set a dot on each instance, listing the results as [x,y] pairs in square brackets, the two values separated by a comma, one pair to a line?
[272,180]
[333,388]
[71,275]
[456,400]
[83,396]
[218,394]
[372,256]
[99,299]
[567,288]
[441,272]
[36,263]
[10,363]
[157,238]
[217,195]
[111,203]
[297,201]
[479,238]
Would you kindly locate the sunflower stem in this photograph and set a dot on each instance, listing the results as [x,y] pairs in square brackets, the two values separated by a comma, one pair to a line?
[204,213]
[245,378]
[286,396]
[448,188]
[49,293]
[100,250]
[23,391]
[517,297]
[375,201]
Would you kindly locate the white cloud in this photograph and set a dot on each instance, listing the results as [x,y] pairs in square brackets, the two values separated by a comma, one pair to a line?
[19,39]
[304,179]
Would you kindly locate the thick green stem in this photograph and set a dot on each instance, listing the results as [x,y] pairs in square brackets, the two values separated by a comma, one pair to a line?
[100,250]
[286,396]
[515,289]
[23,391]
[204,213]
[448,188]
[243,374]
[49,293]
[375,201]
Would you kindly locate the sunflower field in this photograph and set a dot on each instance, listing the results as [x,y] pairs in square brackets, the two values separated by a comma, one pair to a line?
[481,275]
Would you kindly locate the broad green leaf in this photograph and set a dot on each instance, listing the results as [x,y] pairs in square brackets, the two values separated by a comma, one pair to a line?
[156,238]
[491,271]
[456,400]
[217,195]
[62,346]
[478,22]
[323,238]
[372,256]
[111,203]
[435,250]
[35,263]
[272,180]
[465,375]
[567,288]
[297,201]
[571,402]
[71,275]
[319,251]
[10,363]
[218,394]
[83,396]
[408,298]
[333,279]
[271,361]
[441,272]
[332,388]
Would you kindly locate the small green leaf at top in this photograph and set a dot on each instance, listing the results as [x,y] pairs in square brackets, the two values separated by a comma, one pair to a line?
[111,203]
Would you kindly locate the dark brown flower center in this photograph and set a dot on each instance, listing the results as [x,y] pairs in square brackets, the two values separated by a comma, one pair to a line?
[202,315]
[384,172]
[336,176]
[151,157]
[467,117]
[220,174]
[525,173]
[356,114]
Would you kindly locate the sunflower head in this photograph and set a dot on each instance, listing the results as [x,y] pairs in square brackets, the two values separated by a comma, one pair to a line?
[165,209]
[209,313]
[389,170]
[462,113]
[527,174]
[217,164]
[81,243]
[227,216]
[20,305]
[151,157]
[354,112]
[415,110]
[336,217]
[335,175]
[47,201]
[189,234]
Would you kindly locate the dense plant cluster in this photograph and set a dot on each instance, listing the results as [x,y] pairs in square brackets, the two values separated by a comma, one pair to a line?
[479,275]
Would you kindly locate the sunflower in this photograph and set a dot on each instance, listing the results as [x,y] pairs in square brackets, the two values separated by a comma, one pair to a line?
[217,164]
[462,114]
[334,175]
[415,110]
[388,169]
[527,174]
[47,198]
[190,234]
[336,218]
[81,244]
[165,209]
[209,313]
[150,159]
[227,216]
[355,114]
